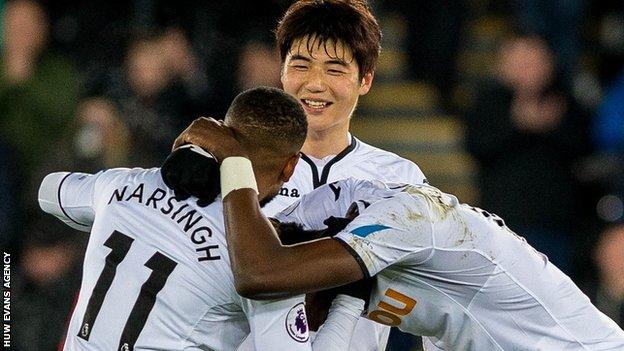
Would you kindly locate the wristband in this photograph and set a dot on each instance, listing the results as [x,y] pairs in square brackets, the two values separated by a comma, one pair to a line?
[237,173]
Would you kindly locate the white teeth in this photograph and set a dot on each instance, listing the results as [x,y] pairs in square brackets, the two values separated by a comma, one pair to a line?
[315,104]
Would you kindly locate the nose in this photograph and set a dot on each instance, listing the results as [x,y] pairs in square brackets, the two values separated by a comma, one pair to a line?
[315,80]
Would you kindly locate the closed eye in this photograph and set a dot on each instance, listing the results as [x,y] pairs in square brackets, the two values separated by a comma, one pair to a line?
[335,72]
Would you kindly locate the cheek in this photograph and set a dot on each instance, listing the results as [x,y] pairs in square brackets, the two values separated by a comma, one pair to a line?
[290,83]
[345,88]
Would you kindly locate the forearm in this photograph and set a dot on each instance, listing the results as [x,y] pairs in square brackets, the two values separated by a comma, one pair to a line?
[265,269]
[338,329]
[250,235]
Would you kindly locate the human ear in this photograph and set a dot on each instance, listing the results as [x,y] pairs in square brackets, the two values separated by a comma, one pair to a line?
[366,83]
[289,168]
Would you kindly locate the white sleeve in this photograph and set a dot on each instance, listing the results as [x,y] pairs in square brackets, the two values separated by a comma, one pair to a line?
[277,325]
[283,325]
[336,332]
[313,208]
[417,176]
[69,197]
[387,232]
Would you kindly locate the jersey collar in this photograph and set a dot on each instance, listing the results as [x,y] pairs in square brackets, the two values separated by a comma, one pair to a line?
[318,181]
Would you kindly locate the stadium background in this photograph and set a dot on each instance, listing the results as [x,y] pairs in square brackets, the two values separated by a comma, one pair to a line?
[463,88]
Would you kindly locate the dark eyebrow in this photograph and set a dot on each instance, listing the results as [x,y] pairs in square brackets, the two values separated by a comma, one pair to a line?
[328,62]
[337,62]
[300,57]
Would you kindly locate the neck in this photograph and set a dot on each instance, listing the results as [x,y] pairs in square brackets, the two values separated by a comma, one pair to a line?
[325,143]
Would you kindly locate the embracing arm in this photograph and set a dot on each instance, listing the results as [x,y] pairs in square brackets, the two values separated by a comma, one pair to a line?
[265,269]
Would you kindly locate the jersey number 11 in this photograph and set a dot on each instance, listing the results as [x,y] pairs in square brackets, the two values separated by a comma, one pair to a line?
[161,267]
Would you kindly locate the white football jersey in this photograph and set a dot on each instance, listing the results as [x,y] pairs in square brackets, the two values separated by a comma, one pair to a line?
[456,273]
[157,273]
[361,161]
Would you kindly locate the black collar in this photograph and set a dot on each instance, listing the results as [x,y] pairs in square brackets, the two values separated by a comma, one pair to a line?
[316,181]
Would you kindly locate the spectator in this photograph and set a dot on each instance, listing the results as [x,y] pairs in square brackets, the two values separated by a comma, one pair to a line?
[153,102]
[46,285]
[98,139]
[38,89]
[526,134]
[609,256]
[559,22]
[186,68]
[258,65]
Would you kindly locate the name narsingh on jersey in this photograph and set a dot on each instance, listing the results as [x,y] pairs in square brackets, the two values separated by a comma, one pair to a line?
[192,223]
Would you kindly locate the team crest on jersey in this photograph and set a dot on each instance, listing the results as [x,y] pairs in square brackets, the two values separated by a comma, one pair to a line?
[297,323]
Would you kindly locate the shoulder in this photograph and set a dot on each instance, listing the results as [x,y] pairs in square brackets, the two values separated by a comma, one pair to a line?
[394,167]
[129,175]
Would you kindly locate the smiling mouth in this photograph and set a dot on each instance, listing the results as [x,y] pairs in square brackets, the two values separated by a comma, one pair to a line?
[315,104]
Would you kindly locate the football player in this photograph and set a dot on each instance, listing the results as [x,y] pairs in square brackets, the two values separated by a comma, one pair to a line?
[329,50]
[448,271]
[156,271]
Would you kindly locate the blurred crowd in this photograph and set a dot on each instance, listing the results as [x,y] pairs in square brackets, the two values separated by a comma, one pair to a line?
[88,85]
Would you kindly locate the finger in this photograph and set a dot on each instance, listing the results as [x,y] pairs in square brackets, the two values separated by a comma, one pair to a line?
[178,142]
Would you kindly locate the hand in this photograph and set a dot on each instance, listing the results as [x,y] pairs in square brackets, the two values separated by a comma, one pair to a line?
[293,233]
[335,225]
[212,136]
[190,171]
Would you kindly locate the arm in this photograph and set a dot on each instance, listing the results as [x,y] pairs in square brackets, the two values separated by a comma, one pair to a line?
[386,232]
[68,196]
[340,324]
[264,268]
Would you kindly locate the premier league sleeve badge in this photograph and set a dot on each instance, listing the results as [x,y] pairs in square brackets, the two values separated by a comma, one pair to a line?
[297,323]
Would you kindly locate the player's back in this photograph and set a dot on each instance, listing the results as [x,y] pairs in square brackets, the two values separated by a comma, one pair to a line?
[156,272]
[454,273]
[476,285]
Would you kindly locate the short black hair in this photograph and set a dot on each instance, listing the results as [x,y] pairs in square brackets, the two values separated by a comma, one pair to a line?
[330,22]
[269,118]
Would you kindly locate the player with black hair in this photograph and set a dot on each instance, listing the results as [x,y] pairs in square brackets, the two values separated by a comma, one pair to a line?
[329,50]
[450,272]
[156,270]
